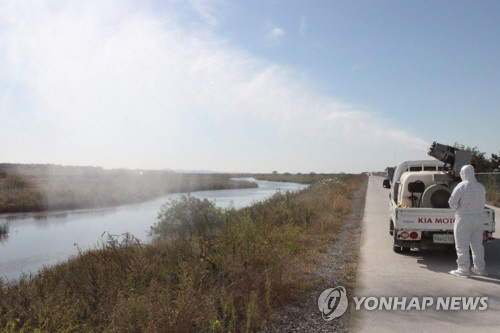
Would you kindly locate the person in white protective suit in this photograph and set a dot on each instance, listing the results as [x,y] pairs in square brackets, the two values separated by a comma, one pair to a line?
[468,200]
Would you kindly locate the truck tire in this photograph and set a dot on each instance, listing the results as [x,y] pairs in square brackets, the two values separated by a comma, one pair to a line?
[391,227]
[396,249]
[400,249]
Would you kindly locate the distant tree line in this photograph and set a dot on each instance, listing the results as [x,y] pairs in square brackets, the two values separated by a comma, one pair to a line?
[42,187]
[479,160]
[44,169]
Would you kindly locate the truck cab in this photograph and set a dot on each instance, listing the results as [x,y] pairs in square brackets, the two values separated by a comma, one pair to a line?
[393,180]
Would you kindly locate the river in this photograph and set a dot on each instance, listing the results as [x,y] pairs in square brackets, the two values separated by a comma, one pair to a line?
[42,239]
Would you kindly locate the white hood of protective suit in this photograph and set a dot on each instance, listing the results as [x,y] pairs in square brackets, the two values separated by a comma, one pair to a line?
[468,196]
[467,173]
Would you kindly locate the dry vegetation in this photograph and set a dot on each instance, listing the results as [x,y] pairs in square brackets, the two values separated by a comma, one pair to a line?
[491,182]
[33,188]
[4,230]
[223,271]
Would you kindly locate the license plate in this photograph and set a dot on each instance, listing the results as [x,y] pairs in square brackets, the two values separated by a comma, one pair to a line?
[443,238]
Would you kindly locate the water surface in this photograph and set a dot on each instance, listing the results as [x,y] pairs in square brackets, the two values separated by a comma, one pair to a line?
[39,239]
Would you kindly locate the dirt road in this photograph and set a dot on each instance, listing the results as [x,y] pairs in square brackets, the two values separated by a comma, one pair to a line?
[381,272]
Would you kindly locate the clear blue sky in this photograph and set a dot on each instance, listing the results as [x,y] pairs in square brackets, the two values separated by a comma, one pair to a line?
[257,86]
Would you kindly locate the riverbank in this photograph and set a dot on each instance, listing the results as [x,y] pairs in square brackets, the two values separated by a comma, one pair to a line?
[38,188]
[301,178]
[225,271]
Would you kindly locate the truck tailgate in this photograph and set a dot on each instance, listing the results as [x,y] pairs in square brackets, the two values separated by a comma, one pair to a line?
[435,219]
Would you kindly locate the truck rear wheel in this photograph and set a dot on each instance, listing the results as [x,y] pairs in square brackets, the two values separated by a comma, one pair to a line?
[400,249]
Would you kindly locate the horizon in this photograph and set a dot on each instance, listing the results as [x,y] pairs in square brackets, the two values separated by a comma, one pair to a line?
[166,169]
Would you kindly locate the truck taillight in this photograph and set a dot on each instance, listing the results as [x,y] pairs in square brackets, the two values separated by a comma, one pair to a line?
[409,235]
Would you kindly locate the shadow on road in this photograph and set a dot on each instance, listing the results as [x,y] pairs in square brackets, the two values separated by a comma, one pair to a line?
[444,260]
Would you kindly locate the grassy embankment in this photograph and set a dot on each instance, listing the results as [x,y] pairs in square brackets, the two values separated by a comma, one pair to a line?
[223,271]
[33,188]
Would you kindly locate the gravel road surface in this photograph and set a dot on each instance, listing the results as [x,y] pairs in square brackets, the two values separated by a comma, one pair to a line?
[337,268]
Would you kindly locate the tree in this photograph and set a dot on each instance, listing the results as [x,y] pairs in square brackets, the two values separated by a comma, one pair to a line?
[495,162]
[478,159]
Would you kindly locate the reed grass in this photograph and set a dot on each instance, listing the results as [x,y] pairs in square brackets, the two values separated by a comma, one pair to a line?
[25,192]
[4,231]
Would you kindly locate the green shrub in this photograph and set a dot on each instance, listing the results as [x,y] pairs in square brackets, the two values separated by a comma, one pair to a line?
[188,216]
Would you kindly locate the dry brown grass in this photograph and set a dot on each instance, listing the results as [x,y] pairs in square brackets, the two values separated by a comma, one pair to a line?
[491,182]
[24,192]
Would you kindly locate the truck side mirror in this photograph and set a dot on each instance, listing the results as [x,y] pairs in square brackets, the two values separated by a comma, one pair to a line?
[386,183]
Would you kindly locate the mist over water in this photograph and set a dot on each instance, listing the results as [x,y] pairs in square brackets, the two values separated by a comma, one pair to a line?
[38,239]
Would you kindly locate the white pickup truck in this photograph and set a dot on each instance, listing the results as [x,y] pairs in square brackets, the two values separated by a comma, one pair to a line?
[420,216]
